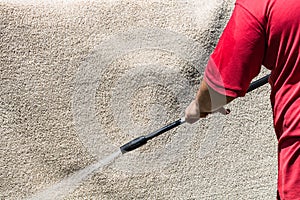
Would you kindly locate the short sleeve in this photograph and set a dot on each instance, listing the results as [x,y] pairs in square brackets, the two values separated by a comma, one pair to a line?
[239,54]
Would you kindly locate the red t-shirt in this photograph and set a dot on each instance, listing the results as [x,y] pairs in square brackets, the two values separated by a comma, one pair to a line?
[265,32]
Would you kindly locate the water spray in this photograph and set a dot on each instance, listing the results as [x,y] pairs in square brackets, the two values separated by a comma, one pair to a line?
[140,141]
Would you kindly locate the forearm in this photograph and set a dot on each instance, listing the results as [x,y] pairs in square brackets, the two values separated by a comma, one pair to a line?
[209,100]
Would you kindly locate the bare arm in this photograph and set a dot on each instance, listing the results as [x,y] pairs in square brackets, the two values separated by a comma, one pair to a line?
[207,101]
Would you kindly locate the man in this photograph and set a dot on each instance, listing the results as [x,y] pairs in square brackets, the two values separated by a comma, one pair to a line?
[260,32]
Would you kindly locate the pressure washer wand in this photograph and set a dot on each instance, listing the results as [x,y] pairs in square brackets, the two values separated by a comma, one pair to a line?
[140,141]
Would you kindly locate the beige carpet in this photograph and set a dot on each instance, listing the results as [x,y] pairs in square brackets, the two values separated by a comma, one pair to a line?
[80,78]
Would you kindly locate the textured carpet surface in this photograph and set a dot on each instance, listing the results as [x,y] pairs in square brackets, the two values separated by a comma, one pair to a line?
[80,78]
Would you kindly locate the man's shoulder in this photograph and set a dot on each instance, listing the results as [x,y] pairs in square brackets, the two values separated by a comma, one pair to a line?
[255,5]
[258,8]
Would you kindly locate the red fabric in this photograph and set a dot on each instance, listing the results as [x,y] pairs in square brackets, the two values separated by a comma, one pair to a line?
[265,32]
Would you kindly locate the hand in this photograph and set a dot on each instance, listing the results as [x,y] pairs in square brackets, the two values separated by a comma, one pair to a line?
[193,113]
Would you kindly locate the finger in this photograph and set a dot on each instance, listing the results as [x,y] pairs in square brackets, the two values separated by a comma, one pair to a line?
[203,115]
[223,111]
[191,119]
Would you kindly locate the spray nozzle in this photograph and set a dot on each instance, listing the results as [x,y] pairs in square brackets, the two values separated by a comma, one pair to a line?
[133,144]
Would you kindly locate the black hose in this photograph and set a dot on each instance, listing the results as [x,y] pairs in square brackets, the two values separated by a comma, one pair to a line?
[258,83]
